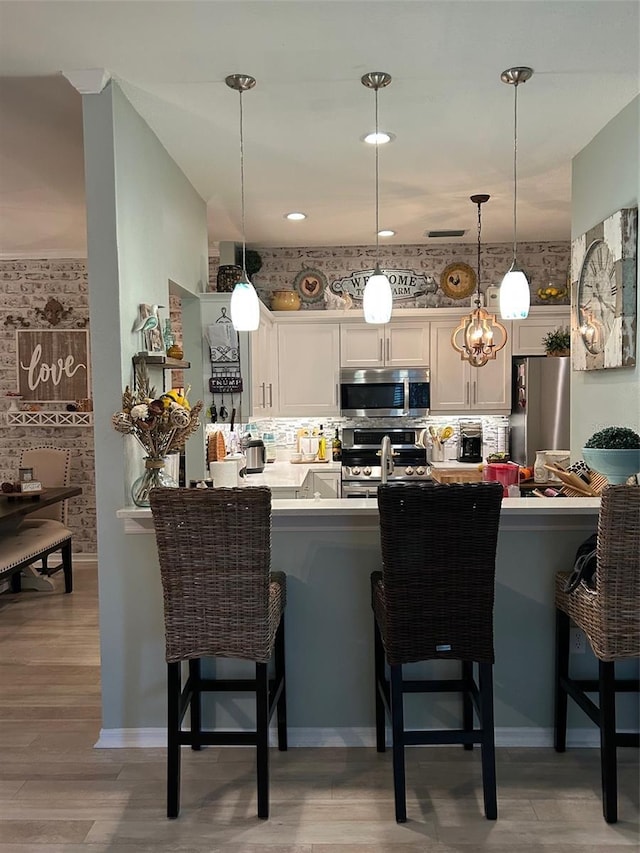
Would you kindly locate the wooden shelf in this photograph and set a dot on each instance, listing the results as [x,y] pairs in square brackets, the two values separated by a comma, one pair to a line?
[162,361]
[46,419]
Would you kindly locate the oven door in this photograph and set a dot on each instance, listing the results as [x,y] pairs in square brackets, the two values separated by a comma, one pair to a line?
[360,490]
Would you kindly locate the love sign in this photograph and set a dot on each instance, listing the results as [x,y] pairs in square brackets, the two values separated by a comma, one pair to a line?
[53,364]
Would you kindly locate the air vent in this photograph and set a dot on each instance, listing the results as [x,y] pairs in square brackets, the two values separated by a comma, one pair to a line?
[452,233]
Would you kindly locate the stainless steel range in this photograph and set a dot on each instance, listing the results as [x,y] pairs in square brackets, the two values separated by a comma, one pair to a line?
[361,452]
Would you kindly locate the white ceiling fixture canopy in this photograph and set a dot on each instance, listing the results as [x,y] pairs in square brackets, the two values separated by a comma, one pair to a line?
[245,305]
[515,295]
[377,300]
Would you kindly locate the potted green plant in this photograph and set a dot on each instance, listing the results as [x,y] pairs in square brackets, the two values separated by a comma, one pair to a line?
[614,452]
[557,342]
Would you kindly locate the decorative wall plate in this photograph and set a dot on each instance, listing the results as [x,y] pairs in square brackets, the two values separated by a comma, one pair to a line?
[458,280]
[310,284]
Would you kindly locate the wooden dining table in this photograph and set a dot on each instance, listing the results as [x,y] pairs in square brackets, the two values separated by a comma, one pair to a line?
[14,508]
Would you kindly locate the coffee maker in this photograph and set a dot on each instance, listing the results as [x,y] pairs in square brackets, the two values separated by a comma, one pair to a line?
[470,441]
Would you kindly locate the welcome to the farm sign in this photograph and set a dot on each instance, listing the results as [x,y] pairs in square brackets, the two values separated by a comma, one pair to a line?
[53,364]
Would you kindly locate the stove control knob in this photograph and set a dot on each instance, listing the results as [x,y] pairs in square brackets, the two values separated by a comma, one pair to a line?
[420,470]
[366,471]
[408,471]
[355,470]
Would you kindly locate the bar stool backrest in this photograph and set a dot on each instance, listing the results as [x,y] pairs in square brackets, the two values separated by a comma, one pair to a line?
[438,566]
[214,549]
[614,627]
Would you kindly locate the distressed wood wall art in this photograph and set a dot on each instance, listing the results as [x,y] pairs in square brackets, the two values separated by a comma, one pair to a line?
[52,364]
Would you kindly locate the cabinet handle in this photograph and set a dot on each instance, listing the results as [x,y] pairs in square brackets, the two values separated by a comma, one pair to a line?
[270,395]
[381,350]
[264,395]
[467,394]
[475,392]
[337,398]
[388,350]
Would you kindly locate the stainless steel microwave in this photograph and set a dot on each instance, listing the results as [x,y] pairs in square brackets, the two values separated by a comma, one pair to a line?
[382,392]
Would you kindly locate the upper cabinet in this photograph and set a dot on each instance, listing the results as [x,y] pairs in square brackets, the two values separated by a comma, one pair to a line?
[309,367]
[528,334]
[457,387]
[263,346]
[398,344]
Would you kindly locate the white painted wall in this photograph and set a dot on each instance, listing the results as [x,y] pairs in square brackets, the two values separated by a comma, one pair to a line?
[605,178]
[146,225]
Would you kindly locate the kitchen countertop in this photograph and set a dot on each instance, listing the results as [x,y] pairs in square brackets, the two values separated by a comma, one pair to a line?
[286,474]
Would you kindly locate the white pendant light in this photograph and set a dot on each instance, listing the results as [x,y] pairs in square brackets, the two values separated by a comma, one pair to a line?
[475,337]
[245,305]
[515,296]
[377,300]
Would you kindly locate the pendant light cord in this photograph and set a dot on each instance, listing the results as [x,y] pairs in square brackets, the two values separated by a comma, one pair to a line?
[244,246]
[377,186]
[515,167]
[479,232]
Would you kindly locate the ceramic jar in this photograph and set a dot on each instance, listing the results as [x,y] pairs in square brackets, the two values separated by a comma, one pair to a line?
[285,300]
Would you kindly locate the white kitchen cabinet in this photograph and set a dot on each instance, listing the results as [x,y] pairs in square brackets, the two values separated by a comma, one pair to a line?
[398,344]
[264,367]
[456,387]
[325,483]
[308,368]
[527,334]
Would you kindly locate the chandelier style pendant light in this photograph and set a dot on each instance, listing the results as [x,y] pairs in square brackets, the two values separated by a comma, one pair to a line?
[377,299]
[514,290]
[245,305]
[474,338]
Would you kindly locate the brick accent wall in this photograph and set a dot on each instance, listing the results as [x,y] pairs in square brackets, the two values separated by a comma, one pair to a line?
[26,285]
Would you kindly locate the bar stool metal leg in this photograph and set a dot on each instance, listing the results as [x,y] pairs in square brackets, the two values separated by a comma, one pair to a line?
[467,701]
[281,707]
[488,741]
[195,706]
[262,738]
[397,725]
[379,677]
[607,691]
[174,686]
[562,673]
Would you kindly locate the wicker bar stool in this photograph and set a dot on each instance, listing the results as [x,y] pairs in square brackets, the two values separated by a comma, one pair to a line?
[610,617]
[220,600]
[434,600]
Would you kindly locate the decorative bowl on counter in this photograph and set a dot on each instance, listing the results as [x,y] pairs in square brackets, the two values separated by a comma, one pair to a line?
[285,300]
[617,465]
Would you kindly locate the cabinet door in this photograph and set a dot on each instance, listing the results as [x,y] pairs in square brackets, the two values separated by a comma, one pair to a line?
[527,334]
[309,364]
[264,370]
[450,383]
[361,345]
[326,483]
[407,344]
[491,384]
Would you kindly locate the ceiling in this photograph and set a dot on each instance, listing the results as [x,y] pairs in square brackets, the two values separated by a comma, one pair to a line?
[452,117]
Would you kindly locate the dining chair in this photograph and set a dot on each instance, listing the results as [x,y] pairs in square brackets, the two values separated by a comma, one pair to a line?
[51,466]
[609,614]
[221,600]
[433,600]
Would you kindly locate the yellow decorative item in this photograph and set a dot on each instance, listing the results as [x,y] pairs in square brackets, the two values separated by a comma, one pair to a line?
[551,293]
[285,300]
[175,351]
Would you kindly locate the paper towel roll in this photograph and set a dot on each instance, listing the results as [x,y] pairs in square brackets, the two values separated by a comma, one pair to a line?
[224,473]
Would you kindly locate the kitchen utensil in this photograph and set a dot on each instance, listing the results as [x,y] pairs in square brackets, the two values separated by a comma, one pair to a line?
[256,455]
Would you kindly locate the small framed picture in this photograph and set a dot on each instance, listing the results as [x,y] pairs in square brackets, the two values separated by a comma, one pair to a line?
[310,284]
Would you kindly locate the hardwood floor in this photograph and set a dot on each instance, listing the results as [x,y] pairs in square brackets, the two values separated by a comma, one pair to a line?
[59,795]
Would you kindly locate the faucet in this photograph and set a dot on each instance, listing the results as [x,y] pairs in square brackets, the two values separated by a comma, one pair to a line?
[386,459]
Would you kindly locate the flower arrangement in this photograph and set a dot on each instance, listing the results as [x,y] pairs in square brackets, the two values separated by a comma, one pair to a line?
[160,424]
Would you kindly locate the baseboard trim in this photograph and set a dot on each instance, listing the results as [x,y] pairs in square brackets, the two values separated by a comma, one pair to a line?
[349,737]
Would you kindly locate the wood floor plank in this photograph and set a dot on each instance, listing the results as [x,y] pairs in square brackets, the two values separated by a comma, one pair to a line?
[60,795]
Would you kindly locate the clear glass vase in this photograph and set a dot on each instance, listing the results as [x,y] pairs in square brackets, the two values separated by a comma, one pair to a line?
[154,476]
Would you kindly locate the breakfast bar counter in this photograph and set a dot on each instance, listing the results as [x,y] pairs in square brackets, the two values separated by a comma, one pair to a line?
[328,548]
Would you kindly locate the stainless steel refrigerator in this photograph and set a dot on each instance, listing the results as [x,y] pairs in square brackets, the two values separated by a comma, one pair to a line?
[540,406]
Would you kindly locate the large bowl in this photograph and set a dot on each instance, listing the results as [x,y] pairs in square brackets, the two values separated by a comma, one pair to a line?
[616,465]
[285,300]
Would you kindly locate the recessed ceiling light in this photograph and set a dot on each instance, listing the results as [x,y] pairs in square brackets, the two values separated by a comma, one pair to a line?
[295,217]
[382,137]
[386,232]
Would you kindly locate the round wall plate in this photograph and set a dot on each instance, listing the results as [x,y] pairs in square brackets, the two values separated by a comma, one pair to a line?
[310,284]
[458,280]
